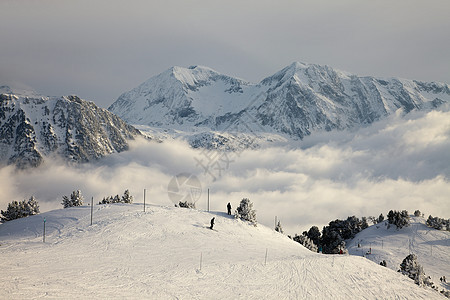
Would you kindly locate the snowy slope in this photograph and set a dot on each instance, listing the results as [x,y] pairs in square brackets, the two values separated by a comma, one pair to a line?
[168,253]
[431,246]
[295,102]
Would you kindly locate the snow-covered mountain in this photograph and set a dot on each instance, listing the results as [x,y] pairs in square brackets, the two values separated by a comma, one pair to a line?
[294,102]
[169,253]
[33,127]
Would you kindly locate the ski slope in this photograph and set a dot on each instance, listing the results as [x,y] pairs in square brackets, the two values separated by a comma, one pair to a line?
[169,253]
[431,246]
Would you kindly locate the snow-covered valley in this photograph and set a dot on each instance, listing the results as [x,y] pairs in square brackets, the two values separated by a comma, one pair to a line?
[169,253]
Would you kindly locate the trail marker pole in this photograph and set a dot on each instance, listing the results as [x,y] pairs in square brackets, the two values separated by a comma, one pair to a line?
[208,200]
[92,208]
[43,238]
[265,259]
[275,221]
[144,199]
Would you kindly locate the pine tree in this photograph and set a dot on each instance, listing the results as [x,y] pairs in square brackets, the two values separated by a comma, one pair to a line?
[438,223]
[76,199]
[116,199]
[127,198]
[306,242]
[380,218]
[245,211]
[314,234]
[20,209]
[399,219]
[411,268]
[186,204]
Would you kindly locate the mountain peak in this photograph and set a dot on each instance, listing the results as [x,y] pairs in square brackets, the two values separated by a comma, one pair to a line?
[297,100]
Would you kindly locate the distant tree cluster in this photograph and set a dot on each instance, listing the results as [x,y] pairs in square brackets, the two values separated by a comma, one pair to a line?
[75,199]
[376,220]
[417,213]
[246,212]
[398,218]
[186,204]
[438,223]
[333,236]
[337,231]
[20,209]
[126,198]
[306,242]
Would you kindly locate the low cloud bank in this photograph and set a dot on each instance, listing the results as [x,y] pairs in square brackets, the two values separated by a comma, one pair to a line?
[398,163]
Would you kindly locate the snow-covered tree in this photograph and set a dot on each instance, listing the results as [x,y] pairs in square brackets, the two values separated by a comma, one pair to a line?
[438,223]
[21,209]
[399,219]
[127,198]
[314,234]
[76,199]
[116,199]
[332,241]
[306,242]
[417,213]
[411,268]
[245,211]
[186,204]
[380,218]
[278,228]
[106,200]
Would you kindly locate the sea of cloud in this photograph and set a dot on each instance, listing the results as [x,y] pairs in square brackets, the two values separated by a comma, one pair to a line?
[402,162]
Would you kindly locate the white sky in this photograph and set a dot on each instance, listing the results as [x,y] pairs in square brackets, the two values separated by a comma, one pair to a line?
[99,49]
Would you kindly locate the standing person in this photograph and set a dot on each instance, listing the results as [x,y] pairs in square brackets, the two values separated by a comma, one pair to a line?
[229,208]
[212,223]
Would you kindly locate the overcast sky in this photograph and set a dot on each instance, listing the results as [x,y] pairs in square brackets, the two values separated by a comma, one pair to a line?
[99,49]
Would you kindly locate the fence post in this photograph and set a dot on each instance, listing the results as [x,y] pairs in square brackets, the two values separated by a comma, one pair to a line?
[43,239]
[92,208]
[265,259]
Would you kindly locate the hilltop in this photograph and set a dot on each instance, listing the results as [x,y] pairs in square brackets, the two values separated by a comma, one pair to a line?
[168,253]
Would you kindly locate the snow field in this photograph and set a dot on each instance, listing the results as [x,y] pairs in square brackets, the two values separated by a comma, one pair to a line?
[128,253]
[431,246]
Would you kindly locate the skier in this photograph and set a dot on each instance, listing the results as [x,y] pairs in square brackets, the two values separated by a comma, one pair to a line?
[229,208]
[212,223]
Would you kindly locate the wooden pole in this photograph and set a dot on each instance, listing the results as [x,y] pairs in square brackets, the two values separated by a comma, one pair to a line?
[44,231]
[208,200]
[144,200]
[265,259]
[92,208]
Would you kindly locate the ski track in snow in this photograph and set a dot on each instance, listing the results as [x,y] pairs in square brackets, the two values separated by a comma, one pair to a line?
[128,253]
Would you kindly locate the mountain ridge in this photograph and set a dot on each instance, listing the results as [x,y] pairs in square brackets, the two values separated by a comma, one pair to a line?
[295,101]
[33,128]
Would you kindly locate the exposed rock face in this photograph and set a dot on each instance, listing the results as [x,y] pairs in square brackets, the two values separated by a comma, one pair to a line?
[77,130]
